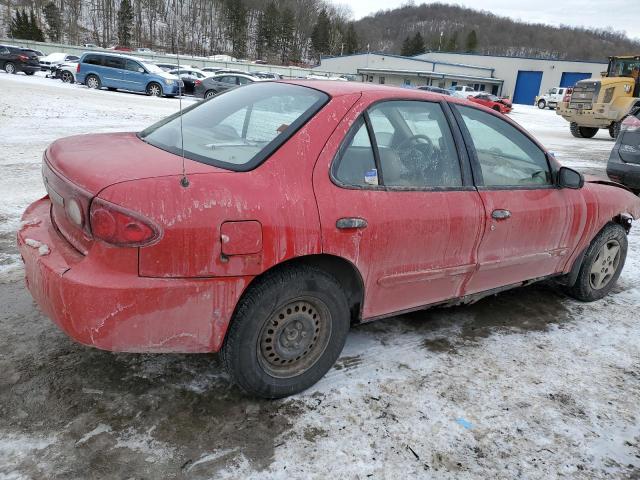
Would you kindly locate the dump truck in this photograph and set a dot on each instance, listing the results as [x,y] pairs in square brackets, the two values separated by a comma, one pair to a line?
[603,103]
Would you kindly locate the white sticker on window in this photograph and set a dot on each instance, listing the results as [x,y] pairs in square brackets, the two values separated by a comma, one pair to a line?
[371,177]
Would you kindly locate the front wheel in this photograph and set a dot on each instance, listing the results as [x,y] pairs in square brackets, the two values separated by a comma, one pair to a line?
[287,332]
[542,104]
[602,264]
[154,89]
[29,73]
[10,68]
[582,132]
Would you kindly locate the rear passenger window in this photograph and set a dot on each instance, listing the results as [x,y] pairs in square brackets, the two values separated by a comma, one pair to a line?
[93,60]
[114,62]
[356,164]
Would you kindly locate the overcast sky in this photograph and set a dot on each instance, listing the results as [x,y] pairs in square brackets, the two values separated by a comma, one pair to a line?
[619,14]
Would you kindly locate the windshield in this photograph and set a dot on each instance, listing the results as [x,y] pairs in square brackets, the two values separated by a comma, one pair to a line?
[240,128]
[152,67]
[624,67]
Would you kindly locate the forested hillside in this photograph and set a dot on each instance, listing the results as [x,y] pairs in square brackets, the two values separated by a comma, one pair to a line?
[464,29]
[297,31]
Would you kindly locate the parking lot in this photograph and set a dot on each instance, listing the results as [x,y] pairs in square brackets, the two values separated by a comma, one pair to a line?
[526,384]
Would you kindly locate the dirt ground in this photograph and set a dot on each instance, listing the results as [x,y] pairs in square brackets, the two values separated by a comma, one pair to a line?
[526,384]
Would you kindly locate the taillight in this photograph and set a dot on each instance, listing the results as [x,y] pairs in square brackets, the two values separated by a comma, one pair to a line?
[630,124]
[118,226]
[197,82]
[567,96]
[78,68]
[23,58]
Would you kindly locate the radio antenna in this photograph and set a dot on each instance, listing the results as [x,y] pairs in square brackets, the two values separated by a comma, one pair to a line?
[184,181]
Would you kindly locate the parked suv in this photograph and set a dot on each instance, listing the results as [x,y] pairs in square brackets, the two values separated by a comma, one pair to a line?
[624,161]
[16,59]
[551,99]
[113,71]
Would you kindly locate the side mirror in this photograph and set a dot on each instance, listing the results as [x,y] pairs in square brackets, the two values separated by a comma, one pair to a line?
[569,178]
[141,70]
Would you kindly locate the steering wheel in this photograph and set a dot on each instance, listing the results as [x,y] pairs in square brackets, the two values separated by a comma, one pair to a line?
[414,141]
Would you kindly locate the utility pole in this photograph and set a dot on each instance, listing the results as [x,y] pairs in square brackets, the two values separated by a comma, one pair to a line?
[341,49]
[440,43]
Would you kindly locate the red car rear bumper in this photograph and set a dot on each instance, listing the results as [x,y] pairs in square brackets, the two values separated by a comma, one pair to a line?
[111,309]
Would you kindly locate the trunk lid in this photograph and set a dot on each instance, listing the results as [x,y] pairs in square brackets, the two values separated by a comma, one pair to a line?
[77,168]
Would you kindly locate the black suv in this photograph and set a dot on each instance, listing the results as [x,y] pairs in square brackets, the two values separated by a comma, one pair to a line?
[16,59]
[624,161]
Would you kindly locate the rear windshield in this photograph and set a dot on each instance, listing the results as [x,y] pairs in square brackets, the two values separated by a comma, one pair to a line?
[240,128]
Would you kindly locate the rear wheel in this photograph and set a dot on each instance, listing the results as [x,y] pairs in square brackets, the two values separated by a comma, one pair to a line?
[66,77]
[92,81]
[209,93]
[542,104]
[496,108]
[582,132]
[154,89]
[614,130]
[287,332]
[10,68]
[601,265]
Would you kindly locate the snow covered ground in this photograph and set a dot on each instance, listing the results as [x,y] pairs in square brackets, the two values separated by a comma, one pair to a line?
[526,384]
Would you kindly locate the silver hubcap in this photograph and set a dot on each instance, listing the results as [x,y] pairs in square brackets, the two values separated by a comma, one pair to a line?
[605,265]
[66,77]
[154,90]
[210,94]
[92,82]
[294,338]
[10,68]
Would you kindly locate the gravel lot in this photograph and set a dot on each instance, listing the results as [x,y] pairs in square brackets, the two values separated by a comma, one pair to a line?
[526,384]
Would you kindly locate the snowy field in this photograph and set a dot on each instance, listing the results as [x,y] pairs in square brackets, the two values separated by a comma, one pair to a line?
[527,384]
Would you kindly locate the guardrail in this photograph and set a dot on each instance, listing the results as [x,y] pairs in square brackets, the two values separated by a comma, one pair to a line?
[199,62]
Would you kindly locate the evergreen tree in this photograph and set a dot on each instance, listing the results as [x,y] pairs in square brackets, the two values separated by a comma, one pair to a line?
[125,22]
[351,39]
[452,43]
[472,42]
[236,20]
[267,31]
[406,47]
[35,31]
[54,21]
[321,34]
[285,33]
[417,44]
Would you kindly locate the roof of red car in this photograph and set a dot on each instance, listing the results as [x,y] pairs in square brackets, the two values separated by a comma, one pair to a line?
[336,88]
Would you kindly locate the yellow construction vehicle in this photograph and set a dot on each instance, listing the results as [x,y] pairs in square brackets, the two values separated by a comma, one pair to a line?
[603,103]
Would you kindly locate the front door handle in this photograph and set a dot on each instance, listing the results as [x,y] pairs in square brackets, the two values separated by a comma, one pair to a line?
[351,222]
[500,214]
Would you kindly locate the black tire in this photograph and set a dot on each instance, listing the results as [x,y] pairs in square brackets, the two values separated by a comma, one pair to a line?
[93,81]
[599,271]
[10,68]
[66,77]
[209,94]
[582,132]
[154,89]
[112,89]
[287,332]
[542,104]
[614,129]
[496,108]
[29,73]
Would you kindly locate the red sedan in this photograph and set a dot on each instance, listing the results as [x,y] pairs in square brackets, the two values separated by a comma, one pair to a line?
[498,104]
[267,219]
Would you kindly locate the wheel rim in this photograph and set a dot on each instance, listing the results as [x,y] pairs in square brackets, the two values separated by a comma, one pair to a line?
[10,68]
[154,90]
[66,77]
[294,337]
[605,265]
[209,94]
[92,82]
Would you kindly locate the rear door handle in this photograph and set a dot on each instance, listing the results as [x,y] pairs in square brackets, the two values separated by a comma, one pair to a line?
[500,214]
[351,222]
